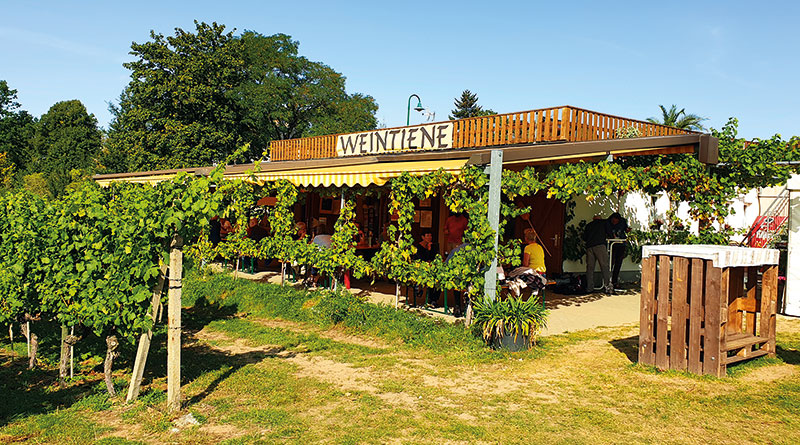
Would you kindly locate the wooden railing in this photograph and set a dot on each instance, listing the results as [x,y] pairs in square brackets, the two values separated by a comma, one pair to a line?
[564,124]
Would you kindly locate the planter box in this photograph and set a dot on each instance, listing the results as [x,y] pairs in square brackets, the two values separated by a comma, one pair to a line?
[509,343]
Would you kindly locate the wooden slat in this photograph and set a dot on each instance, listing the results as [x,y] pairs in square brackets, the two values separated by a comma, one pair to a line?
[752,294]
[741,340]
[738,358]
[711,342]
[647,308]
[662,326]
[696,291]
[680,312]
[769,306]
[737,289]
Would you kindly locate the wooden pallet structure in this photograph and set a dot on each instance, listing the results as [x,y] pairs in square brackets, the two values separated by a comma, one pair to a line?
[704,307]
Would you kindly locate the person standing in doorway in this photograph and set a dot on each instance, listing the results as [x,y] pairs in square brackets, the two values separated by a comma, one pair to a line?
[595,235]
[454,228]
[618,229]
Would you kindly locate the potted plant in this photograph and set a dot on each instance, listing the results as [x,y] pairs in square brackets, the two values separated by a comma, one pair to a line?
[510,323]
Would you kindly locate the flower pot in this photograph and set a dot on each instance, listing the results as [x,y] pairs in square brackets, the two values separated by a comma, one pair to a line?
[510,343]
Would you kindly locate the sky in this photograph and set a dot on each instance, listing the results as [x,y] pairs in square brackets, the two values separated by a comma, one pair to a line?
[717,59]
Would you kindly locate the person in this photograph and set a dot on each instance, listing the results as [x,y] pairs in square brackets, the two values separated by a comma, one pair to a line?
[300,230]
[533,255]
[454,228]
[323,240]
[214,234]
[617,228]
[426,251]
[595,235]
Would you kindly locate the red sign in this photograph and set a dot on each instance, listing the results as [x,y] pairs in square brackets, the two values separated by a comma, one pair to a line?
[764,229]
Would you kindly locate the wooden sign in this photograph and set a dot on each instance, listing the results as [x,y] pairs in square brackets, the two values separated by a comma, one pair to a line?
[421,137]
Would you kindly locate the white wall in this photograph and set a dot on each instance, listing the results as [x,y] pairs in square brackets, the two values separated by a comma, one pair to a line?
[642,210]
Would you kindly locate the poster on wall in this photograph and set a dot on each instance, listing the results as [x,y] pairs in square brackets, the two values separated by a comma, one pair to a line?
[425,202]
[426,219]
[416,216]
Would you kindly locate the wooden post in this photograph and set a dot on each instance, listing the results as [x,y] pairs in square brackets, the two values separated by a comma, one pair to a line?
[144,340]
[28,336]
[71,353]
[662,308]
[680,314]
[174,324]
[646,341]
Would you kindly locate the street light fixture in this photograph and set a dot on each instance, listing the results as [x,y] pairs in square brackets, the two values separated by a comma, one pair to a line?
[419,107]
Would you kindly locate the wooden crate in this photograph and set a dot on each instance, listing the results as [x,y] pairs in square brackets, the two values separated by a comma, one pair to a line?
[704,307]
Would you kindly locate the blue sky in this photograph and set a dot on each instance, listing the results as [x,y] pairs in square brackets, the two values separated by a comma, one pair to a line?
[715,58]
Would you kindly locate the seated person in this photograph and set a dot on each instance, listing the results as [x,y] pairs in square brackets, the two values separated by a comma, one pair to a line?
[426,251]
[533,255]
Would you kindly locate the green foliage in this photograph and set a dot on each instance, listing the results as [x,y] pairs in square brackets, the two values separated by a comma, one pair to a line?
[195,96]
[678,119]
[467,106]
[67,138]
[17,128]
[180,108]
[36,184]
[498,317]
[287,96]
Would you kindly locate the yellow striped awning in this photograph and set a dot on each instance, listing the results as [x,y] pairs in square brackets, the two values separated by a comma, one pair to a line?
[364,174]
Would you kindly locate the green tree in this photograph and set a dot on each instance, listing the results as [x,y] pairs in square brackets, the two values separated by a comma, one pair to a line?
[288,96]
[467,106]
[67,138]
[16,129]
[180,108]
[678,119]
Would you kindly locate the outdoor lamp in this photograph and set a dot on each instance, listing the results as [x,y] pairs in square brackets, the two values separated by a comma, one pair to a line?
[419,107]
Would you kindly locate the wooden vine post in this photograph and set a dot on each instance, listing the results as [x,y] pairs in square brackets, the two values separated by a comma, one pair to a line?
[174,324]
[144,340]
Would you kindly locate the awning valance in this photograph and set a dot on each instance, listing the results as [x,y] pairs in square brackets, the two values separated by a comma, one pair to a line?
[364,175]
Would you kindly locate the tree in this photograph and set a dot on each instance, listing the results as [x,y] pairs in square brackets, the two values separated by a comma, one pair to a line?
[467,106]
[181,107]
[678,119]
[67,139]
[16,129]
[288,96]
[195,97]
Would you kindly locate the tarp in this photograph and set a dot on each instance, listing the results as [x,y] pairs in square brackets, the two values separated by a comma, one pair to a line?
[364,174]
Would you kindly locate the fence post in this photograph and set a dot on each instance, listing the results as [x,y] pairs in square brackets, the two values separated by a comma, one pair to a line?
[495,171]
[174,324]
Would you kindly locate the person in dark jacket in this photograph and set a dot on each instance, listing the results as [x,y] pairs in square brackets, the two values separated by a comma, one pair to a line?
[617,228]
[595,235]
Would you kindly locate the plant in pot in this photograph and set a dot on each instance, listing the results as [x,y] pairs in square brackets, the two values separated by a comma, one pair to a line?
[510,323]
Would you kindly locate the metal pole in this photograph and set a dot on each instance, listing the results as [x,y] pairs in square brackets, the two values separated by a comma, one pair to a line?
[495,171]
[408,113]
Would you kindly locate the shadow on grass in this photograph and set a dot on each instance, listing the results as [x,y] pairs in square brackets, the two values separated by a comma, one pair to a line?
[790,356]
[628,346]
[25,392]
[201,359]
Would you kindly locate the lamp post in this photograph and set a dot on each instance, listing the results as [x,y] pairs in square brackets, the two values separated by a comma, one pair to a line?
[417,108]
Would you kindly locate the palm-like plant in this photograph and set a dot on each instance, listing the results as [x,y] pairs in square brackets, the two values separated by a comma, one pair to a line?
[678,119]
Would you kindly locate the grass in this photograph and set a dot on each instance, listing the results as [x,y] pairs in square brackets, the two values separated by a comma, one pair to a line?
[265,364]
